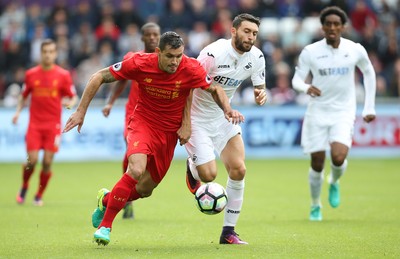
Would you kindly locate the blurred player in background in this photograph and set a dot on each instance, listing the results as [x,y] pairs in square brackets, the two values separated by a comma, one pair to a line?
[330,115]
[229,63]
[150,38]
[47,84]
[161,117]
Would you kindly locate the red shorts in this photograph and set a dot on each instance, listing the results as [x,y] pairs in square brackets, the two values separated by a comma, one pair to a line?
[46,138]
[159,146]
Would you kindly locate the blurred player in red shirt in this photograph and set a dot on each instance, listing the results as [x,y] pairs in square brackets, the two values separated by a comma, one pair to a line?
[47,84]
[161,117]
[151,38]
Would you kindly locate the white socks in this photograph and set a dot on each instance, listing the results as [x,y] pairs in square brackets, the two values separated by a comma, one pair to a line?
[337,172]
[235,192]
[315,179]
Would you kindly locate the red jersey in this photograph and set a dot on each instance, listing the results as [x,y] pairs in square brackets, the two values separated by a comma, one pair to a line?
[162,96]
[133,94]
[47,88]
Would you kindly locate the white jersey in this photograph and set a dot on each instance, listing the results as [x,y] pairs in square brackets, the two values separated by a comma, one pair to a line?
[332,72]
[229,69]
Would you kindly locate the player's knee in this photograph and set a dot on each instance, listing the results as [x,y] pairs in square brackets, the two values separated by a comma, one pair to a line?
[317,165]
[237,173]
[145,192]
[135,173]
[207,175]
[338,160]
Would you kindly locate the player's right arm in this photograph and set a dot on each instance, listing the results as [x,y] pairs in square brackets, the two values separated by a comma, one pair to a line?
[116,91]
[302,71]
[220,98]
[97,79]
[20,106]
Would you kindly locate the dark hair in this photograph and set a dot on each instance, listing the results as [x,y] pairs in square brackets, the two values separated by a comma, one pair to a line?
[46,42]
[237,21]
[333,10]
[148,26]
[172,39]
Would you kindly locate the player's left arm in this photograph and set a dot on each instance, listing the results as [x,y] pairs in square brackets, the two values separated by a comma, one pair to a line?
[220,97]
[369,80]
[185,130]
[260,94]
[96,80]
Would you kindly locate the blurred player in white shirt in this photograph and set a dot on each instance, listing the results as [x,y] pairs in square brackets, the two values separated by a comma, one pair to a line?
[229,63]
[330,115]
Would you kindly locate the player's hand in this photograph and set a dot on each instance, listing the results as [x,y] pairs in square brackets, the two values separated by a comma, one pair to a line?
[184,134]
[313,91]
[76,119]
[260,95]
[106,110]
[15,118]
[369,118]
[234,116]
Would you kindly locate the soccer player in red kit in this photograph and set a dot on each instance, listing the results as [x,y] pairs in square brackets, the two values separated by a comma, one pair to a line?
[161,117]
[151,38]
[47,84]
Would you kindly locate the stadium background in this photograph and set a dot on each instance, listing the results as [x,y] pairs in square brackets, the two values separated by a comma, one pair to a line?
[94,34]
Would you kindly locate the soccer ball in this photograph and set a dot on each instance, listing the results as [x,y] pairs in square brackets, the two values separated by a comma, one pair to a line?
[211,198]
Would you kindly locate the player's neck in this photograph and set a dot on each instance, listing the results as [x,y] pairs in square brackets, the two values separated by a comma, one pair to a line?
[47,66]
[334,44]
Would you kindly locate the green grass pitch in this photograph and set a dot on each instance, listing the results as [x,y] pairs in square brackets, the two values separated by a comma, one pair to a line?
[274,218]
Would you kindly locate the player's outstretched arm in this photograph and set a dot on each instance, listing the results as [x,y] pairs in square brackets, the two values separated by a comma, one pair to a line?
[260,94]
[97,79]
[116,91]
[219,95]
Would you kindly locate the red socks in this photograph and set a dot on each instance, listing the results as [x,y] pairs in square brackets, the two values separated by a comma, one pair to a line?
[116,200]
[44,179]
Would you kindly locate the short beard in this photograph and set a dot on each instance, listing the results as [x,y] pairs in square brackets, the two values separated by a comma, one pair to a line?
[239,45]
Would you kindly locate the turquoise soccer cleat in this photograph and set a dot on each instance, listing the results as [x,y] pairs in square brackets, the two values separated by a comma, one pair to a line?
[334,195]
[315,213]
[98,213]
[102,236]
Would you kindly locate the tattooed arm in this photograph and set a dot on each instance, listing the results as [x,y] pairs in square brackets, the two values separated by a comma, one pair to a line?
[96,80]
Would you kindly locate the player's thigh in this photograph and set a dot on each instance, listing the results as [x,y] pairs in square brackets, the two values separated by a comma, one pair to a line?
[200,146]
[233,154]
[342,132]
[33,139]
[226,132]
[51,139]
[314,135]
[137,165]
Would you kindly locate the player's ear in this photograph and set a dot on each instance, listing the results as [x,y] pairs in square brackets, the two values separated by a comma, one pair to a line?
[233,31]
[158,50]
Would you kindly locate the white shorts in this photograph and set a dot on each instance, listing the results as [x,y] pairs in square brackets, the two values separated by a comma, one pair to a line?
[318,132]
[209,137]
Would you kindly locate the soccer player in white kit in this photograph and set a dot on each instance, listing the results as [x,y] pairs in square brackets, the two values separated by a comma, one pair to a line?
[229,62]
[330,115]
